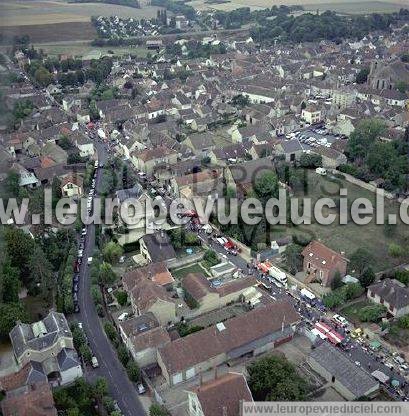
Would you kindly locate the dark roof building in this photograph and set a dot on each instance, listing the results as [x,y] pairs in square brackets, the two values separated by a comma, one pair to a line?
[391,293]
[346,377]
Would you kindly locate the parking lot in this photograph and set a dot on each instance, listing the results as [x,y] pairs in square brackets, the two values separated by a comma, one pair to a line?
[314,137]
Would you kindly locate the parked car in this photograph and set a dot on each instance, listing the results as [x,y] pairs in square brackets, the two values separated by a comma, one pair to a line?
[94,362]
[76,308]
[141,388]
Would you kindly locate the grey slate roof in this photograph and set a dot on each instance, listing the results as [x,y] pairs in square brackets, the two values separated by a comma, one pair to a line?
[67,358]
[391,291]
[352,377]
[159,247]
[124,194]
[39,335]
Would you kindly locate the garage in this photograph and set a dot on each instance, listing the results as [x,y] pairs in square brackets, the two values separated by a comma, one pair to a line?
[177,378]
[190,373]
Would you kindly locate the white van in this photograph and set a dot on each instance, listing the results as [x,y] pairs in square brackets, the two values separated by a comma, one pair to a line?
[321,171]
[123,316]
[94,362]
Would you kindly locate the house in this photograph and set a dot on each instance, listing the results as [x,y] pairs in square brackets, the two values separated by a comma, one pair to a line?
[311,114]
[147,296]
[221,396]
[322,263]
[349,380]
[143,336]
[201,143]
[47,345]
[150,159]
[72,185]
[385,75]
[391,293]
[252,333]
[29,400]
[197,287]
[84,145]
[157,247]
[292,150]
[205,183]
[331,158]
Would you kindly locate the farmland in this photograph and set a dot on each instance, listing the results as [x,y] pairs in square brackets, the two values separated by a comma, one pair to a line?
[25,12]
[339,6]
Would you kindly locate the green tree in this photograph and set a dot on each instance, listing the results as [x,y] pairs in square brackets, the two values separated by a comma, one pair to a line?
[293,258]
[362,76]
[110,331]
[275,378]
[41,273]
[43,76]
[121,297]
[133,371]
[367,277]
[360,260]
[210,258]
[10,313]
[107,275]
[101,388]
[85,353]
[9,282]
[372,313]
[336,281]
[158,410]
[310,160]
[266,186]
[364,137]
[395,250]
[112,252]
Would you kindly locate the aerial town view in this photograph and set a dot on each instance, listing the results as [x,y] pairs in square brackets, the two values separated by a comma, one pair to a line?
[204,207]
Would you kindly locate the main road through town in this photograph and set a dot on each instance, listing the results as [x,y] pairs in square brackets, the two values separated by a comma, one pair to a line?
[120,387]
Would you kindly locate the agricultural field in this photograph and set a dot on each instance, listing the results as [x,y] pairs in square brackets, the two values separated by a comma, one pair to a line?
[39,12]
[348,238]
[339,6]
[87,51]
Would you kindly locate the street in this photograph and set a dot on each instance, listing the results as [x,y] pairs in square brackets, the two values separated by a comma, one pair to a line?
[120,387]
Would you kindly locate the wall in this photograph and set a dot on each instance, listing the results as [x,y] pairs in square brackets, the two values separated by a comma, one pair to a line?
[186,260]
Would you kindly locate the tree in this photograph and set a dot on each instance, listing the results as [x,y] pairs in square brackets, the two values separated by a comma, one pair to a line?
[101,388]
[292,256]
[336,281]
[9,282]
[123,354]
[402,276]
[310,160]
[395,250]
[10,313]
[112,252]
[43,76]
[367,277]
[121,297]
[266,186]
[110,331]
[133,371]
[371,313]
[210,258]
[362,76]
[41,273]
[360,260]
[107,275]
[158,410]
[85,353]
[364,137]
[275,378]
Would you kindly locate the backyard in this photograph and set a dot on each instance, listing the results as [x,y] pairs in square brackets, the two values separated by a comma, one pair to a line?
[349,237]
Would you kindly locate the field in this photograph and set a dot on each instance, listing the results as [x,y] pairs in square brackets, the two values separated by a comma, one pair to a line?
[39,12]
[86,51]
[351,236]
[340,6]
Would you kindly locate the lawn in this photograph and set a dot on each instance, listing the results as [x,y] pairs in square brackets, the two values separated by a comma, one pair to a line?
[182,272]
[348,238]
[350,312]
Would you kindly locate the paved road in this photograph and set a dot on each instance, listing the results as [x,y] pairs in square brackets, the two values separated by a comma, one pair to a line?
[120,387]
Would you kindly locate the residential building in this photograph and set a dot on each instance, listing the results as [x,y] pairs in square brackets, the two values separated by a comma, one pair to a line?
[322,263]
[391,293]
[157,247]
[311,115]
[253,333]
[29,400]
[48,346]
[72,185]
[150,159]
[221,396]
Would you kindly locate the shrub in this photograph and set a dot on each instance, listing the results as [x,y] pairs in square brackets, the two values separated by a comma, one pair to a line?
[133,371]
[371,313]
[121,297]
[395,250]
